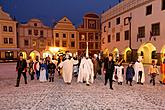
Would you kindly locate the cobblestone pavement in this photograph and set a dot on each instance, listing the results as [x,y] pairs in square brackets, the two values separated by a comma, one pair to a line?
[59,96]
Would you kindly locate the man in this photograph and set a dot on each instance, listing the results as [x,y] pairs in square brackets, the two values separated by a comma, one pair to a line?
[67,66]
[109,70]
[21,69]
[139,71]
[96,65]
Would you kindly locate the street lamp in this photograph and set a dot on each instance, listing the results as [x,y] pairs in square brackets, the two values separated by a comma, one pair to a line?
[130,29]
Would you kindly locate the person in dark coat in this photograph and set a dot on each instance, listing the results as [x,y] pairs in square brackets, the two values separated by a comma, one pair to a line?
[130,74]
[51,71]
[109,67]
[21,69]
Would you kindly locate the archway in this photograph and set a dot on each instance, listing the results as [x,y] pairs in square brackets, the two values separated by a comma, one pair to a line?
[127,55]
[24,54]
[163,53]
[34,53]
[148,51]
[115,53]
[47,53]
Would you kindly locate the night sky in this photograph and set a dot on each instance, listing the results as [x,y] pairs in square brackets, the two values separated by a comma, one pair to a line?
[50,11]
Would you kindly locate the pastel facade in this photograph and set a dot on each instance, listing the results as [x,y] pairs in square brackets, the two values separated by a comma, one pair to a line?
[8,37]
[34,39]
[89,32]
[143,20]
[65,36]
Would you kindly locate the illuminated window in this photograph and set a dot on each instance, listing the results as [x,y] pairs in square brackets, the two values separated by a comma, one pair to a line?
[57,43]
[9,55]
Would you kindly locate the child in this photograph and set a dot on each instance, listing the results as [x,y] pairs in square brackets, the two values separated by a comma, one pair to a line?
[120,72]
[153,71]
[130,74]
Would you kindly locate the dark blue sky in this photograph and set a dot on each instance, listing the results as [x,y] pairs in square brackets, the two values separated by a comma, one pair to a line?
[50,11]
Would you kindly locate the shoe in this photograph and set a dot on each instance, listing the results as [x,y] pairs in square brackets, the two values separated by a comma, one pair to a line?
[17,86]
[111,88]
[141,83]
[130,84]
[151,81]
[160,82]
[87,84]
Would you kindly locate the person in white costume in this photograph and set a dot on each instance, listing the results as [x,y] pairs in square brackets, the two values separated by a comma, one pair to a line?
[43,70]
[86,72]
[139,71]
[67,66]
[120,72]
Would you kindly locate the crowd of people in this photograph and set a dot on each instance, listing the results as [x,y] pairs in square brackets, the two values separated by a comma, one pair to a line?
[86,68]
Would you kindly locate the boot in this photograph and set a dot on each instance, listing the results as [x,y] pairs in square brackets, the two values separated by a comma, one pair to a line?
[17,84]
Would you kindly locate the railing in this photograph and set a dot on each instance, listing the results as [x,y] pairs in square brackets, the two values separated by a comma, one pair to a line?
[122,7]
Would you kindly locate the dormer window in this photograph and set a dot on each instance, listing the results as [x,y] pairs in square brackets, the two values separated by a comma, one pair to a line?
[35,24]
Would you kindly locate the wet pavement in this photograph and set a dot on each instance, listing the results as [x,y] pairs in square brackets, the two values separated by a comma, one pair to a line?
[59,96]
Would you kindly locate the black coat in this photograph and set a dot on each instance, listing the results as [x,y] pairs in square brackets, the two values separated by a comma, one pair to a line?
[51,68]
[21,65]
[109,66]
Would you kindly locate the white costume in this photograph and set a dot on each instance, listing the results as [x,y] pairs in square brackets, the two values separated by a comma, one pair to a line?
[119,71]
[67,70]
[86,72]
[138,67]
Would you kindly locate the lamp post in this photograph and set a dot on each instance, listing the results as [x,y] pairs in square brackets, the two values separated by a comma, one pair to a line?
[130,38]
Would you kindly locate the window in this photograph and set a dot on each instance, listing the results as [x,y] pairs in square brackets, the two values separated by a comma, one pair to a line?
[104,28]
[5,40]
[64,35]
[141,32]
[26,42]
[109,24]
[35,24]
[34,43]
[72,44]
[126,33]
[10,40]
[10,29]
[91,45]
[30,32]
[149,10]
[41,33]
[72,36]
[96,45]
[64,43]
[82,45]
[92,24]
[126,21]
[36,32]
[118,21]
[9,55]
[97,36]
[117,36]
[42,43]
[90,36]
[57,34]
[82,37]
[49,43]
[109,38]
[156,29]
[57,43]
[163,4]
[154,55]
[5,28]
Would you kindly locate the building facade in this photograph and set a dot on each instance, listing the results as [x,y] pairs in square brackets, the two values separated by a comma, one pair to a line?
[65,36]
[135,27]
[8,37]
[89,31]
[35,39]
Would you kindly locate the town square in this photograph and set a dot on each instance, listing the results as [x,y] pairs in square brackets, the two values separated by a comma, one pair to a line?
[82,55]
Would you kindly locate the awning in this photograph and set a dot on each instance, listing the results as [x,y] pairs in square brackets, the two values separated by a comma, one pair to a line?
[9,49]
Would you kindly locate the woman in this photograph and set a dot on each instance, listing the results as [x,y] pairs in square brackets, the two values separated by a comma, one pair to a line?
[43,70]
[130,72]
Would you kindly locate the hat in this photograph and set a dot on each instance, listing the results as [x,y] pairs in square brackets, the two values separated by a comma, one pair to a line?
[20,54]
